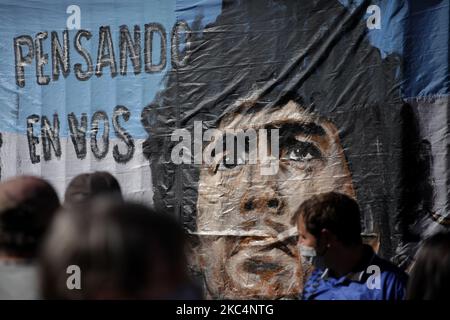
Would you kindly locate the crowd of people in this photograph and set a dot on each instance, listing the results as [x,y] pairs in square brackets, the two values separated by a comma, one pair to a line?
[97,245]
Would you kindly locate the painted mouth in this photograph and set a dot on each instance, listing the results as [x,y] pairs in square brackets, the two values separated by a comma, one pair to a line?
[263,265]
[266,257]
[260,265]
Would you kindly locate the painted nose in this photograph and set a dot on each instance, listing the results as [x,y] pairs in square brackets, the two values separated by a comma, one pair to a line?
[264,201]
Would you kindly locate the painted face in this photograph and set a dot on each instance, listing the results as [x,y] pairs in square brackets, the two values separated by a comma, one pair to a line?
[248,243]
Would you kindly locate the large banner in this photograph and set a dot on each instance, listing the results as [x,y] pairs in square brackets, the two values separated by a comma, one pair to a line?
[230,113]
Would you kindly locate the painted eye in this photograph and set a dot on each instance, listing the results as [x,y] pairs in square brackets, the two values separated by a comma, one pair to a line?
[228,164]
[299,154]
[302,151]
[231,160]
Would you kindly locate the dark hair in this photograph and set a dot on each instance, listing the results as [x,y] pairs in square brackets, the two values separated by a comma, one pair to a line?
[88,185]
[334,211]
[430,276]
[27,206]
[122,249]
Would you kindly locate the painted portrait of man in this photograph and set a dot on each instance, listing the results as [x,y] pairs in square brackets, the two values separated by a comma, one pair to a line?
[307,69]
[244,217]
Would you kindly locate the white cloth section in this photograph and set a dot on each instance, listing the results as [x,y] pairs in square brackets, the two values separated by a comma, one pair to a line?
[291,232]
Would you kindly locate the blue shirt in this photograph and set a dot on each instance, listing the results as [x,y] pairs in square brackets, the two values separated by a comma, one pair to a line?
[374,279]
